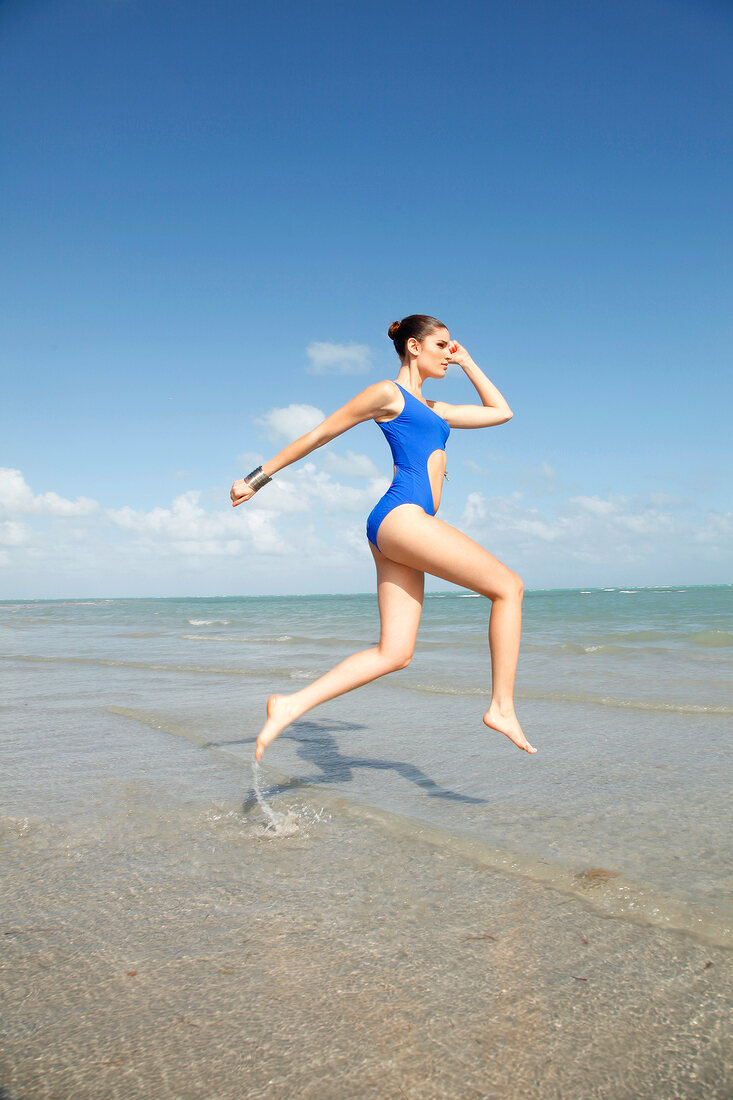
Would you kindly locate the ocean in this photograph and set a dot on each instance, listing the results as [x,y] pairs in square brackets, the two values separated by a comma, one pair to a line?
[129,727]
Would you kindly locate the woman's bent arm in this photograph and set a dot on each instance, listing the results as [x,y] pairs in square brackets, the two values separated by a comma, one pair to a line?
[375,400]
[493,409]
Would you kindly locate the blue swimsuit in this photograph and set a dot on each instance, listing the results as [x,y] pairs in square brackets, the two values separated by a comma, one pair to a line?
[412,435]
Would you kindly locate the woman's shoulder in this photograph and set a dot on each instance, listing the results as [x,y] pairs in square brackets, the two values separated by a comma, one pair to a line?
[379,394]
[386,388]
[389,396]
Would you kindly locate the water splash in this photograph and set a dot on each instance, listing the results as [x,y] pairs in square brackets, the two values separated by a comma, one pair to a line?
[277,824]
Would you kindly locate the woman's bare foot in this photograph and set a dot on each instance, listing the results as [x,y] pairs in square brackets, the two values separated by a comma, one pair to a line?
[508,723]
[279,715]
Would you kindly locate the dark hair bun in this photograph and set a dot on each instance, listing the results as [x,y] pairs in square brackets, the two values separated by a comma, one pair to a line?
[418,325]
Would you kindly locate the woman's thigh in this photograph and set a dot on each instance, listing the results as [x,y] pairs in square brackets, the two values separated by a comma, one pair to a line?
[400,592]
[411,537]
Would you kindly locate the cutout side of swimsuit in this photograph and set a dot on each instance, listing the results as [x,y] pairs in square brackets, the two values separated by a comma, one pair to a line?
[436,464]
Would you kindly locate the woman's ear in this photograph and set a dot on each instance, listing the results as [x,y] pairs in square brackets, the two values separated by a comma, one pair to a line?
[413,346]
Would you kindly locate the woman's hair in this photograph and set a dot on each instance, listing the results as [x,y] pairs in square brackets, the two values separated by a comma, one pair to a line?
[418,325]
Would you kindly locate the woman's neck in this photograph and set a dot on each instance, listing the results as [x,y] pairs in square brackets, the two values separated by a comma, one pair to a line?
[409,378]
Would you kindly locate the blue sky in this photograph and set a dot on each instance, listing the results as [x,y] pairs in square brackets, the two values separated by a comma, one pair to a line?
[212,211]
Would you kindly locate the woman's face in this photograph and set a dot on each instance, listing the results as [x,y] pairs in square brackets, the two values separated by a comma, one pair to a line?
[434,354]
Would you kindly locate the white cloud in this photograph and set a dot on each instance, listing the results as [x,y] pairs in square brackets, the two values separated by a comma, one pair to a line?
[210,548]
[13,533]
[538,477]
[188,528]
[305,488]
[613,535]
[718,530]
[17,498]
[350,465]
[595,505]
[509,516]
[306,530]
[649,521]
[249,460]
[338,358]
[291,422]
[662,500]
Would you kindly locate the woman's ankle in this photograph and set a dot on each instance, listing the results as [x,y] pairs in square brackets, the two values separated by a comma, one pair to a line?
[505,707]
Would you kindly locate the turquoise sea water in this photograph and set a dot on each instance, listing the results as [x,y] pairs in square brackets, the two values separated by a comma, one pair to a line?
[627,694]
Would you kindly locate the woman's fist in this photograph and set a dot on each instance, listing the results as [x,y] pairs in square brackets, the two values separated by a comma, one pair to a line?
[241,491]
[458,354]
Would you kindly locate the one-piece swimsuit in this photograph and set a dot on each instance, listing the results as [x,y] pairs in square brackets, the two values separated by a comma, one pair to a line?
[413,435]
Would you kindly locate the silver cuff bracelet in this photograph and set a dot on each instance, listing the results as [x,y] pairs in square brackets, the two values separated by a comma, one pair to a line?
[257,479]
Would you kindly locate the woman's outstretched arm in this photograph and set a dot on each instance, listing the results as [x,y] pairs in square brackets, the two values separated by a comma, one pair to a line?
[493,408]
[375,400]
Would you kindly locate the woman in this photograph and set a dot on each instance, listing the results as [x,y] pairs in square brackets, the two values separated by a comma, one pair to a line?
[406,538]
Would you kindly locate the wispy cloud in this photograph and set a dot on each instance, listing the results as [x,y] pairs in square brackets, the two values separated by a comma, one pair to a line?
[292,421]
[14,533]
[614,535]
[350,465]
[540,477]
[308,488]
[596,506]
[250,460]
[718,533]
[328,358]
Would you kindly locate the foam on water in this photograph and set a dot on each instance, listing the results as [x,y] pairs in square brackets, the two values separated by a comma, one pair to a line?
[208,622]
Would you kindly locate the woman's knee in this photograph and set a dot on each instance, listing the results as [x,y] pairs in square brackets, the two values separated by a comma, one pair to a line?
[395,659]
[510,587]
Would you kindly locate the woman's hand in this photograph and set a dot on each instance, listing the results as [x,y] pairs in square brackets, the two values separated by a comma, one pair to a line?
[241,491]
[459,355]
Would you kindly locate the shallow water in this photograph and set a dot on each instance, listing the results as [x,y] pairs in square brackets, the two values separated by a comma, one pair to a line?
[164,941]
[626,693]
[397,903]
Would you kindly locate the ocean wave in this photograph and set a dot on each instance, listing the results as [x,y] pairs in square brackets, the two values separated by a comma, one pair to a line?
[636,642]
[634,636]
[440,689]
[570,697]
[108,662]
[208,622]
[656,705]
[142,634]
[715,639]
[603,648]
[239,638]
[47,620]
